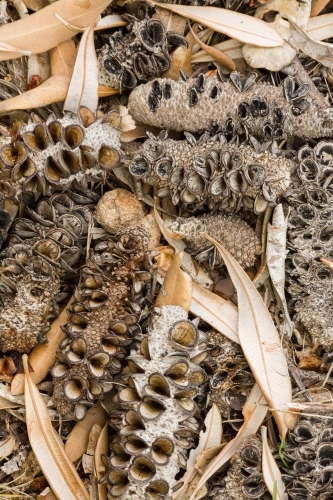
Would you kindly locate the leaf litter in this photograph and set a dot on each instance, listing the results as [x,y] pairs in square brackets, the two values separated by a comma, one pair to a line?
[244,365]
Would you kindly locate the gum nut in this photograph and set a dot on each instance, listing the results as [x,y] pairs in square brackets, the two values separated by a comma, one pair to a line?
[149,223]
[117,210]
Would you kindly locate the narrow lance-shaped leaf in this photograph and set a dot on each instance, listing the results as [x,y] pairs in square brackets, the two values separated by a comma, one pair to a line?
[244,28]
[83,89]
[208,439]
[260,341]
[43,30]
[270,470]
[254,412]
[48,447]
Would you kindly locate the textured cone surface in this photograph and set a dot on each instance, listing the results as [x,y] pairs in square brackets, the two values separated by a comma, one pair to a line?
[231,231]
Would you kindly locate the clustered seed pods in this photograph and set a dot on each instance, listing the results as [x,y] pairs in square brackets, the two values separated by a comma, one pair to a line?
[40,158]
[157,424]
[139,54]
[224,176]
[103,319]
[310,235]
[41,254]
[229,230]
[230,378]
[203,103]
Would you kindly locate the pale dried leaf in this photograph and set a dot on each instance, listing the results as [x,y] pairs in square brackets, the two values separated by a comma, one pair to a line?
[35,4]
[83,89]
[239,26]
[260,341]
[8,396]
[7,47]
[47,494]
[220,314]
[254,412]
[43,356]
[209,438]
[77,441]
[101,449]
[111,21]
[270,470]
[207,456]
[7,447]
[276,256]
[177,286]
[320,51]
[39,64]
[62,59]
[43,30]
[126,121]
[48,447]
[217,55]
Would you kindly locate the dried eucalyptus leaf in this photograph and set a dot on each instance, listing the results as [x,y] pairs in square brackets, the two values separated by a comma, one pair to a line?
[271,471]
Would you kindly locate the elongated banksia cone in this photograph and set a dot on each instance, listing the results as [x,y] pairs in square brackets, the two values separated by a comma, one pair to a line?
[158,424]
[42,157]
[310,235]
[204,103]
[224,176]
[103,320]
[41,256]
[229,230]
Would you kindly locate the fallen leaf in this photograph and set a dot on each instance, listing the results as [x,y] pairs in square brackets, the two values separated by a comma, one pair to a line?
[47,495]
[102,448]
[43,356]
[317,6]
[239,26]
[270,470]
[320,51]
[181,59]
[111,21]
[217,55]
[260,341]
[48,447]
[87,459]
[177,286]
[77,441]
[35,4]
[276,256]
[220,314]
[209,438]
[43,30]
[83,89]
[62,58]
[7,447]
[254,412]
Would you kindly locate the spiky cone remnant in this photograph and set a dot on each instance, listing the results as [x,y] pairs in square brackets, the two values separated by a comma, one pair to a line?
[202,103]
[229,230]
[158,424]
[42,157]
[41,255]
[103,321]
[224,176]
[310,235]
[141,53]
[230,378]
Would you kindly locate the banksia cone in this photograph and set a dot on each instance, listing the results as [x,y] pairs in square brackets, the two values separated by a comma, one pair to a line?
[158,424]
[224,176]
[41,255]
[103,321]
[203,103]
[231,231]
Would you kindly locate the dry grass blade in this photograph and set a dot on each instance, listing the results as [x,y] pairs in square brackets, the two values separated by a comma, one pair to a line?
[260,341]
[210,438]
[43,356]
[177,287]
[217,55]
[43,30]
[83,89]
[270,470]
[48,447]
[254,412]
[214,310]
[239,26]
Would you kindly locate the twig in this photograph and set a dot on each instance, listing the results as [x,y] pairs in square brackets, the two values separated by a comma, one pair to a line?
[298,380]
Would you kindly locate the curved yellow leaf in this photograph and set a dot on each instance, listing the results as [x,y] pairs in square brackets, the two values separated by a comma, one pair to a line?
[48,447]
[177,286]
[260,341]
